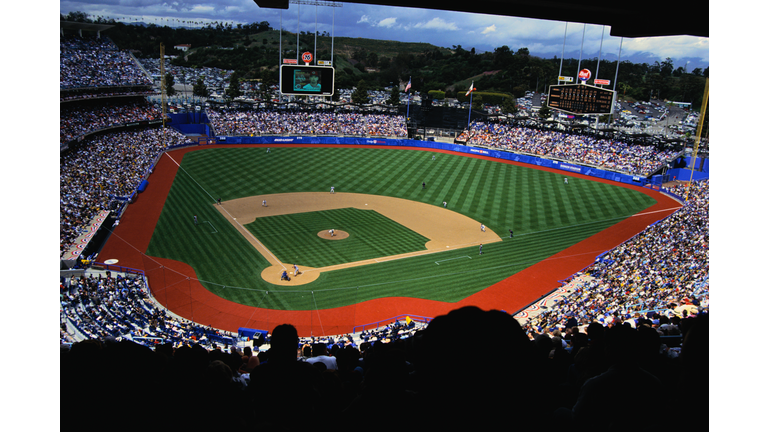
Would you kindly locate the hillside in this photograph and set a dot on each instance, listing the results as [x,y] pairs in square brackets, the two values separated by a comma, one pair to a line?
[255,51]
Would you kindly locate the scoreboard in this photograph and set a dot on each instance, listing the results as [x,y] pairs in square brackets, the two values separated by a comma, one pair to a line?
[581,99]
[307,80]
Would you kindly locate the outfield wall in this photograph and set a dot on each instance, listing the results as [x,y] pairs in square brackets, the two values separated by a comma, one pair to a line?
[482,151]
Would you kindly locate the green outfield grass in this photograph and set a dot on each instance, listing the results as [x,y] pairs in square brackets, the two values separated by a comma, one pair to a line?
[546,215]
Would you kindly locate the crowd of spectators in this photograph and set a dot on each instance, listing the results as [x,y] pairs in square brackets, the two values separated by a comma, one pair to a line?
[102,305]
[603,153]
[658,275]
[103,168]
[215,79]
[467,369]
[77,120]
[267,122]
[97,62]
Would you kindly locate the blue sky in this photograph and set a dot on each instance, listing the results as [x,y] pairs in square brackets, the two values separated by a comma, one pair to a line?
[483,32]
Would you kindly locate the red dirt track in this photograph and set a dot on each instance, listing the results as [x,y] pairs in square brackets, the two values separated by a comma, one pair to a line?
[185,296]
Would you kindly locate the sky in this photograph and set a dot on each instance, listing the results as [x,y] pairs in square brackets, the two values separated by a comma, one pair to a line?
[543,38]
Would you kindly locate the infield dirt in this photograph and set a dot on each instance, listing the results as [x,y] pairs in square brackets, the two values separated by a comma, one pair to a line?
[444,227]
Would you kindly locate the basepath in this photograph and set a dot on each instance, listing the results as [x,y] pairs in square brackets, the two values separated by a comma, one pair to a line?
[445,228]
[185,296]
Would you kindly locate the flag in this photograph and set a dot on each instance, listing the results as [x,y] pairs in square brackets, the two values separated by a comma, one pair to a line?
[471,88]
[408,86]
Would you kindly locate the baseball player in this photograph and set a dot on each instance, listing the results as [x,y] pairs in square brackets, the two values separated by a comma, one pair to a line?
[264,203]
[481,248]
[195,218]
[482,227]
[330,232]
[332,190]
[295,270]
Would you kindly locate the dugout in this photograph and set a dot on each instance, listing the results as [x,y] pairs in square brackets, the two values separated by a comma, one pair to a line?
[257,336]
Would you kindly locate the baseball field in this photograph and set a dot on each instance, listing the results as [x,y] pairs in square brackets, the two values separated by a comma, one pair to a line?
[217,226]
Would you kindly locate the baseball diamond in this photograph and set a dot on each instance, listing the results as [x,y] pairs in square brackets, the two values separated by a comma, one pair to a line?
[230,279]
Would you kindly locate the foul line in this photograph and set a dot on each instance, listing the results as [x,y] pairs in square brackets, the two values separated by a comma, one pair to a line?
[190,176]
[658,211]
[449,259]
[215,231]
[228,213]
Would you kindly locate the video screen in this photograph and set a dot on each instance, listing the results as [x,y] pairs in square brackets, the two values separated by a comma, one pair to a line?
[306,80]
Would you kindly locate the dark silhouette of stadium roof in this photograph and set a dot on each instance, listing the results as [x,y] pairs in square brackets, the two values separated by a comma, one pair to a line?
[627,19]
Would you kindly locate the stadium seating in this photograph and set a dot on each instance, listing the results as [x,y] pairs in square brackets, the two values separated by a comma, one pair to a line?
[645,305]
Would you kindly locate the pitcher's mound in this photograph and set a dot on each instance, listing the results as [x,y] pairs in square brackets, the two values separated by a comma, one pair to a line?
[337,235]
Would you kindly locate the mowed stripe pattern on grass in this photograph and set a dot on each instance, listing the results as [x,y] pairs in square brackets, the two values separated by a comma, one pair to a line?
[293,238]
[546,215]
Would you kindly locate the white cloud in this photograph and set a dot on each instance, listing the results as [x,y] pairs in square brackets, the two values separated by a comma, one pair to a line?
[489,29]
[387,22]
[364,19]
[672,46]
[436,24]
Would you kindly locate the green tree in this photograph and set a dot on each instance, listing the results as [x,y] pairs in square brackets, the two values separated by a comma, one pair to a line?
[477,102]
[545,112]
[372,59]
[169,82]
[269,78]
[667,67]
[624,87]
[394,96]
[360,95]
[76,17]
[509,106]
[233,91]
[200,89]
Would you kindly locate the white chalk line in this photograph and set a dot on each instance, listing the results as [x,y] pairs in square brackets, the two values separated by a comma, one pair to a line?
[450,259]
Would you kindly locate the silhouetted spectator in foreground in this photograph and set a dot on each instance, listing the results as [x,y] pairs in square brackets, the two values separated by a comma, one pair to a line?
[283,388]
[489,382]
[608,401]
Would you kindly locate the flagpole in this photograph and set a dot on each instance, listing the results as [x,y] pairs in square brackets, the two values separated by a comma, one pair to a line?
[408,105]
[470,108]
